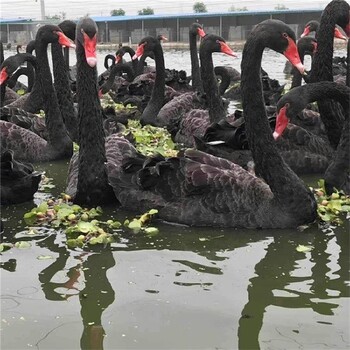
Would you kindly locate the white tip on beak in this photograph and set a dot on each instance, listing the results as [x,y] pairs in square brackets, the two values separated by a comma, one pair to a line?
[91,61]
[275,135]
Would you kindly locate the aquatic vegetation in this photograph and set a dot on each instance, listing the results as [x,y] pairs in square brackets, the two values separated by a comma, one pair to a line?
[81,225]
[332,207]
[150,139]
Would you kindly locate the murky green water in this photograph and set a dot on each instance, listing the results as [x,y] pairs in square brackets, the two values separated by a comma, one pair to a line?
[185,288]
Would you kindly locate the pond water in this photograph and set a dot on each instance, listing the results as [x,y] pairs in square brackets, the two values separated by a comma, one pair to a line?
[185,288]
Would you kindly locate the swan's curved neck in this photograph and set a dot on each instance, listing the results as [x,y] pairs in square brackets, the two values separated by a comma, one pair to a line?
[57,133]
[321,68]
[195,71]
[215,104]
[157,98]
[62,86]
[92,177]
[297,77]
[268,162]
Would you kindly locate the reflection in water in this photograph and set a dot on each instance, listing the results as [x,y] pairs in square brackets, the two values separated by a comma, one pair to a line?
[94,298]
[276,273]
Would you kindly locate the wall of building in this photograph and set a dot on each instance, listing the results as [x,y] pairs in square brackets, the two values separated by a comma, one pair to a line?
[111,30]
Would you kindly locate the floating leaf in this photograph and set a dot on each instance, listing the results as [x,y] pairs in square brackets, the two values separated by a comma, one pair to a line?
[135,225]
[5,246]
[151,231]
[304,248]
[45,257]
[23,245]
[86,227]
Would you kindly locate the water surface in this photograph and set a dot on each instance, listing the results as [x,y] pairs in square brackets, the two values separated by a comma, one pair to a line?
[185,288]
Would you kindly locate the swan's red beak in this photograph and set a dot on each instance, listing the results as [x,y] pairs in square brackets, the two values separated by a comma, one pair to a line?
[90,49]
[224,48]
[118,58]
[293,56]
[139,52]
[100,94]
[64,40]
[3,75]
[338,34]
[305,32]
[201,32]
[281,123]
[164,38]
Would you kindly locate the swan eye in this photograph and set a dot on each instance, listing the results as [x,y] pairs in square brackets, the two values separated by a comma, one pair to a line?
[82,30]
[287,105]
[285,35]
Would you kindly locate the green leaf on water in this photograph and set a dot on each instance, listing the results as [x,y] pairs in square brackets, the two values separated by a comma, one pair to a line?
[151,231]
[45,257]
[5,246]
[23,245]
[304,248]
[85,227]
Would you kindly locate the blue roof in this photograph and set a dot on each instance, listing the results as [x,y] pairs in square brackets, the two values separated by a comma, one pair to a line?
[197,15]
[14,20]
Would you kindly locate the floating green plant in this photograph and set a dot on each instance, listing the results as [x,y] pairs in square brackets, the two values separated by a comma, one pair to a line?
[331,208]
[82,226]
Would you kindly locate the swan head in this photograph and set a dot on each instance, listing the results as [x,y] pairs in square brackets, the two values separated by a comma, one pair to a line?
[214,43]
[86,36]
[338,34]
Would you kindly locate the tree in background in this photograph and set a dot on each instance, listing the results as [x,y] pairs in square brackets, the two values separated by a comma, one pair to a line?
[234,8]
[281,7]
[60,16]
[146,11]
[199,7]
[118,12]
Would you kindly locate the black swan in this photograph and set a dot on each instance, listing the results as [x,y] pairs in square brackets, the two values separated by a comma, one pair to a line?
[16,115]
[195,30]
[306,46]
[157,98]
[195,122]
[25,144]
[33,101]
[227,76]
[62,81]
[337,173]
[19,181]
[312,26]
[336,12]
[203,190]
[87,177]
[7,69]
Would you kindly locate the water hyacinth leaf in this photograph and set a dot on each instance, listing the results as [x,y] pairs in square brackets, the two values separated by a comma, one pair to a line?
[30,218]
[304,248]
[151,231]
[135,225]
[5,246]
[153,211]
[42,207]
[62,213]
[45,257]
[23,245]
[86,227]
